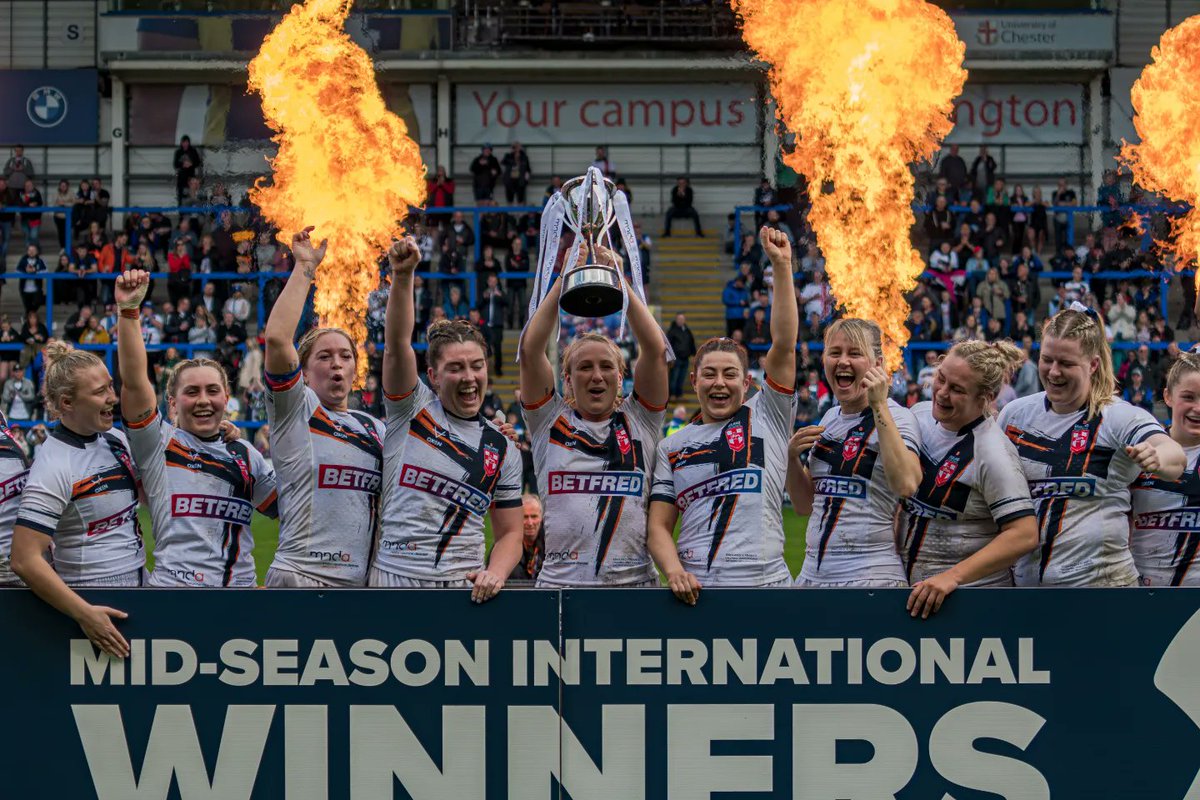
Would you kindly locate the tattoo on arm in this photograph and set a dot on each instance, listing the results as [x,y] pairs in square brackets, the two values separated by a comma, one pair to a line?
[310,271]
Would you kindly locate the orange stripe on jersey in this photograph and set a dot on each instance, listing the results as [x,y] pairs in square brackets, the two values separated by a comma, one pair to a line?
[267,503]
[650,407]
[564,428]
[426,419]
[188,455]
[401,396]
[779,387]
[1014,433]
[137,426]
[538,404]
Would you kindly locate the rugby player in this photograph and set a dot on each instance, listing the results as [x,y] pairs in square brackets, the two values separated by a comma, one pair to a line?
[446,466]
[863,461]
[972,516]
[328,460]
[81,499]
[594,450]
[1080,450]
[14,471]
[725,471]
[201,490]
[1166,513]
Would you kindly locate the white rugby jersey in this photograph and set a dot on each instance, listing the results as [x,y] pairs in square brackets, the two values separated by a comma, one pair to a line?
[329,469]
[1166,526]
[972,484]
[594,481]
[444,473]
[1079,478]
[202,495]
[727,479]
[14,470]
[851,533]
[83,491]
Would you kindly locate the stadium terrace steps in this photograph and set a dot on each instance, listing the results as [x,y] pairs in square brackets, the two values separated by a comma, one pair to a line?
[687,274]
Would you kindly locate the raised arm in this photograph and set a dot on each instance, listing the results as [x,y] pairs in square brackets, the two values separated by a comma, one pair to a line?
[1160,455]
[280,332]
[137,392]
[780,361]
[537,373]
[399,360]
[650,372]
[901,465]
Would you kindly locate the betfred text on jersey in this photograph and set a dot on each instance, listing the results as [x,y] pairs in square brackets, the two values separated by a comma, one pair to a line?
[355,479]
[13,486]
[737,481]
[854,488]
[1175,519]
[1062,487]
[628,484]
[229,509]
[429,482]
[100,527]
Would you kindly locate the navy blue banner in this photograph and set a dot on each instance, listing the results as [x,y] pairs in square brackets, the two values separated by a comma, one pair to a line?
[49,106]
[607,694]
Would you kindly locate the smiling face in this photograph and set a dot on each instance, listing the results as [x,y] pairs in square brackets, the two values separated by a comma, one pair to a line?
[593,378]
[1184,400]
[531,519]
[957,400]
[721,383]
[459,376]
[846,363]
[199,400]
[329,369]
[1066,372]
[89,408]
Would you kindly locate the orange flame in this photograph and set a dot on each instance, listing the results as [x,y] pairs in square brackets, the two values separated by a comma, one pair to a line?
[346,165]
[1166,105]
[868,87]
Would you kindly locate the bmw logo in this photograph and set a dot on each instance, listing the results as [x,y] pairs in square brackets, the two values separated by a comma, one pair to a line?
[46,107]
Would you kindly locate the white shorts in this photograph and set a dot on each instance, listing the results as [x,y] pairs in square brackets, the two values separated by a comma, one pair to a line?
[286,579]
[390,580]
[126,579]
[877,583]
[651,583]
[7,576]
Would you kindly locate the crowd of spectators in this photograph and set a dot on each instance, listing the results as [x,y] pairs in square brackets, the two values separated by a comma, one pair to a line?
[987,246]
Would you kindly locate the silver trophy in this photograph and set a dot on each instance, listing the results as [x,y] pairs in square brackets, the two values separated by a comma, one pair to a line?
[591,290]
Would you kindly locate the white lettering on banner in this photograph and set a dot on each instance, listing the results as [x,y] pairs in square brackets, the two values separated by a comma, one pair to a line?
[818,728]
[540,746]
[385,748]
[683,113]
[952,751]
[1032,113]
[693,772]
[992,35]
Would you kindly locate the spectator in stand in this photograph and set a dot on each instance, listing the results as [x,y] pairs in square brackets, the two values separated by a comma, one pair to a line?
[188,163]
[224,244]
[645,247]
[18,168]
[776,222]
[19,397]
[751,256]
[455,305]
[1039,221]
[622,186]
[94,333]
[518,261]
[1137,392]
[983,172]
[230,331]
[194,196]
[1021,327]
[941,188]
[995,238]
[1121,319]
[8,198]
[100,208]
[32,294]
[77,323]
[8,357]
[680,337]
[954,169]
[422,303]
[1020,217]
[944,264]
[517,174]
[1077,287]
[994,330]
[202,335]
[84,267]
[1030,258]
[1110,197]
[681,207]
[34,336]
[939,224]
[237,305]
[764,197]
[496,229]
[207,299]
[460,237]
[1063,196]
[439,190]
[605,164]
[817,298]
[968,330]
[555,186]
[737,303]
[179,320]
[31,221]
[62,199]
[492,311]
[179,264]
[1024,291]
[485,170]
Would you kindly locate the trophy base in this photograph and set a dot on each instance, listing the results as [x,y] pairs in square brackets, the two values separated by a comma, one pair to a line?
[592,291]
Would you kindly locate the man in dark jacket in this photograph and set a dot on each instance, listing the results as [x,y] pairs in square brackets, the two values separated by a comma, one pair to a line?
[517,172]
[485,169]
[681,207]
[684,344]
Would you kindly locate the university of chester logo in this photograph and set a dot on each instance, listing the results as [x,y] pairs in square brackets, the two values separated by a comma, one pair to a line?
[986,33]
[46,107]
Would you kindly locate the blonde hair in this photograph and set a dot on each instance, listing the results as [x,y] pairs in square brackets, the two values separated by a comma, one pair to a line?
[1088,330]
[308,341]
[578,342]
[192,363]
[722,344]
[1185,365]
[992,362]
[446,332]
[63,365]
[861,332]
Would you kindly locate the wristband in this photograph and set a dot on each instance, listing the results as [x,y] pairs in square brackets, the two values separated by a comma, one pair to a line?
[129,313]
